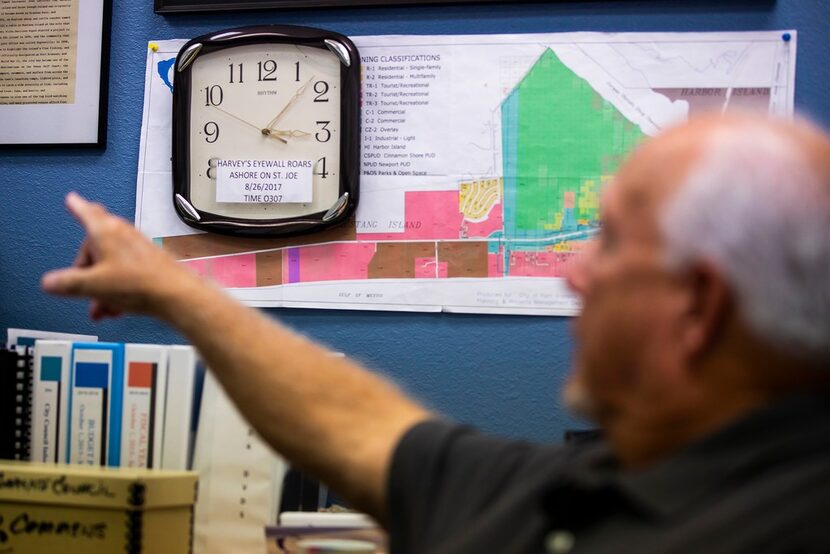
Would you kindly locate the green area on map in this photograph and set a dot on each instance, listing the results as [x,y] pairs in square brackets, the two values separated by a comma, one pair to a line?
[569,140]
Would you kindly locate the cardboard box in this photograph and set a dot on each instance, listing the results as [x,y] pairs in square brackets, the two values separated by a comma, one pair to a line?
[78,509]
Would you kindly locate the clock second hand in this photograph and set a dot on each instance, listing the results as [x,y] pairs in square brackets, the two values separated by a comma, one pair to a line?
[250,124]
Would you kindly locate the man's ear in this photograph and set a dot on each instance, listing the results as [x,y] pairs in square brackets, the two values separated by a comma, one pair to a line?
[709,306]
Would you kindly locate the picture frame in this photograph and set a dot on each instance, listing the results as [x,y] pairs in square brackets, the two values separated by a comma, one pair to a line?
[195,6]
[58,99]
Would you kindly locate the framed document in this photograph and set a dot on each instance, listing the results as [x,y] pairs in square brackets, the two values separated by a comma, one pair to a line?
[54,59]
[194,6]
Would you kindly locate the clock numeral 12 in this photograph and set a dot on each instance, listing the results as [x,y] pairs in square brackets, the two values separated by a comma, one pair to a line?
[323,173]
[230,65]
[270,67]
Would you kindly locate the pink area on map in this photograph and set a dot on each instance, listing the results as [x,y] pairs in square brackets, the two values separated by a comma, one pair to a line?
[537,264]
[335,262]
[425,269]
[238,271]
[428,215]
[493,223]
[570,199]
[495,265]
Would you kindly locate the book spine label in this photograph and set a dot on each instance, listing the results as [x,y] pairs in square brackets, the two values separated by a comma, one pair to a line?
[90,416]
[90,407]
[45,421]
[50,401]
[139,415]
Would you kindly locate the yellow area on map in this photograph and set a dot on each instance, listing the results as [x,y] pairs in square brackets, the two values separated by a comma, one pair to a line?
[587,203]
[557,223]
[588,198]
[477,198]
[568,246]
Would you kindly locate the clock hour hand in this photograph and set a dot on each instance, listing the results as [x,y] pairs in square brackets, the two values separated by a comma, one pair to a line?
[290,103]
[248,123]
[293,133]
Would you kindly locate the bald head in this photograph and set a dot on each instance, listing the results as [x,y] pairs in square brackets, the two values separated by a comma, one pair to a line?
[698,136]
[751,195]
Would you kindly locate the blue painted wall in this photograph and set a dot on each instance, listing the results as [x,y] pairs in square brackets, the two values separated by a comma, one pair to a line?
[503,374]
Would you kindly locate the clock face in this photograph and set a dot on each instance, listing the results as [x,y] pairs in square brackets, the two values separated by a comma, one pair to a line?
[265,131]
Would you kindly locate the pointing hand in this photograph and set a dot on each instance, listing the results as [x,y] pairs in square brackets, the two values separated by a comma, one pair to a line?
[117,267]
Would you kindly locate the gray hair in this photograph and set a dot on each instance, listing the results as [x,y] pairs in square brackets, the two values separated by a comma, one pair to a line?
[753,206]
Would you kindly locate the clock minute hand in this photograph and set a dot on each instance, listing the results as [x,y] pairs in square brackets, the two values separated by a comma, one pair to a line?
[293,99]
[246,122]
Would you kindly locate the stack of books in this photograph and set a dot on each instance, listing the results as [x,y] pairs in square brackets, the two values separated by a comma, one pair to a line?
[100,403]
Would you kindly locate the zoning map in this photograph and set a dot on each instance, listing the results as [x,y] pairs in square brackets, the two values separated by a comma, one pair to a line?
[483,159]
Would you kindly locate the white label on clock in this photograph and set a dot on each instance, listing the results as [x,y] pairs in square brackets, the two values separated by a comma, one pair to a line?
[264,181]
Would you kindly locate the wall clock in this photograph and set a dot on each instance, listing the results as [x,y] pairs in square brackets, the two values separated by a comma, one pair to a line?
[266,130]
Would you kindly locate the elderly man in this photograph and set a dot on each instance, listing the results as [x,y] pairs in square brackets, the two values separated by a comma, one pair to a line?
[702,351]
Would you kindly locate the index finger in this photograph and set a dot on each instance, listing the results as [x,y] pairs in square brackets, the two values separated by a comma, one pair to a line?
[87,213]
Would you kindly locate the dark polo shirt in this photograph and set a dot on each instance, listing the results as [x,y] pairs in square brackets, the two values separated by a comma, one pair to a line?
[762,484]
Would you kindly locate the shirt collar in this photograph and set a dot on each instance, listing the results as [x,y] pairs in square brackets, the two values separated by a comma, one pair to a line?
[785,430]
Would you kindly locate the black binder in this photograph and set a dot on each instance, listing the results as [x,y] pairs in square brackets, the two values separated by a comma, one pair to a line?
[16,381]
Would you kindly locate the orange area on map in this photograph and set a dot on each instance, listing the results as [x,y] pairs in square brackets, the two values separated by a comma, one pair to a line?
[396,260]
[464,258]
[269,268]
[426,268]
[202,245]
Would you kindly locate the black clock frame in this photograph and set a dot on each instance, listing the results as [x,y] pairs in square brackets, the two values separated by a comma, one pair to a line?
[349,124]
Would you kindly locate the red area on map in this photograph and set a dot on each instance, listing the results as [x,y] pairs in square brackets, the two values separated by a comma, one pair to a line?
[495,267]
[428,215]
[235,271]
[493,223]
[537,264]
[335,262]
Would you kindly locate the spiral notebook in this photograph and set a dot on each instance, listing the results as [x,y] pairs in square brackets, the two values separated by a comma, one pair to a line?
[15,403]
